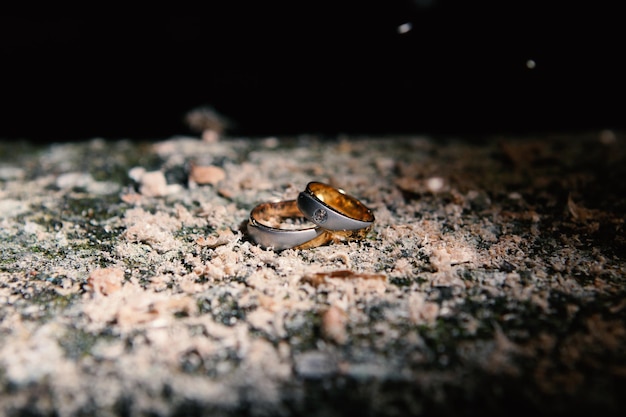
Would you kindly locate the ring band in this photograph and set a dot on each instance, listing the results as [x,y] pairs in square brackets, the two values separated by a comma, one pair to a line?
[265,214]
[333,209]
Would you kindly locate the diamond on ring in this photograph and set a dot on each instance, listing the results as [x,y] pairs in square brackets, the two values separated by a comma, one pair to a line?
[320,215]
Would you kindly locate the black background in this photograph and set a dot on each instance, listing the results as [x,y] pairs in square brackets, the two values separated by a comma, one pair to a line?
[315,67]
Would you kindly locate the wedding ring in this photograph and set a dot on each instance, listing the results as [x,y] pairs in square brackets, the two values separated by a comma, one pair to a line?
[264,222]
[333,209]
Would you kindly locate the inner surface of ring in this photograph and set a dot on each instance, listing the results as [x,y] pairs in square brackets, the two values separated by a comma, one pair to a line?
[341,202]
[274,214]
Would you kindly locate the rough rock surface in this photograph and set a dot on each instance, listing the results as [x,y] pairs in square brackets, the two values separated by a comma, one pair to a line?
[494,277]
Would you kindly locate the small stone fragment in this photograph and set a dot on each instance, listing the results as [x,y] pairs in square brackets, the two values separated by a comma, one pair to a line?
[73,180]
[334,322]
[320,277]
[210,174]
[105,281]
[415,187]
[315,365]
[10,207]
[422,311]
[153,184]
[207,121]
[139,312]
[441,260]
[8,173]
[136,173]
[222,238]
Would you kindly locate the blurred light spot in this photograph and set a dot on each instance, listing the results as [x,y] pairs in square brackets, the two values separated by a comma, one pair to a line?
[435,184]
[404,28]
[531,64]
[608,137]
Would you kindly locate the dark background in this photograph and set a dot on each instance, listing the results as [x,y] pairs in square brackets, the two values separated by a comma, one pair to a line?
[315,67]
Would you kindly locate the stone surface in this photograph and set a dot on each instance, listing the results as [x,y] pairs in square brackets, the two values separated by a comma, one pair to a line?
[493,279]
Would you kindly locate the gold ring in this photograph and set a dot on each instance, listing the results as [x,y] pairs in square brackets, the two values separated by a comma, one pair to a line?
[333,209]
[266,219]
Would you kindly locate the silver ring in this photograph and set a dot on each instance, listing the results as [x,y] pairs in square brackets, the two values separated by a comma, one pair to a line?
[260,227]
[333,209]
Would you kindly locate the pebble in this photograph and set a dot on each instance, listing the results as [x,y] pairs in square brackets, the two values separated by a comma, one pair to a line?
[315,365]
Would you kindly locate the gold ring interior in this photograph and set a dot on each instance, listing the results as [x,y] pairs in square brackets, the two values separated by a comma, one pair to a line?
[273,214]
[335,236]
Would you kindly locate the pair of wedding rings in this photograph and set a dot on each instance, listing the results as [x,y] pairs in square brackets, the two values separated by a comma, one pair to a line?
[336,217]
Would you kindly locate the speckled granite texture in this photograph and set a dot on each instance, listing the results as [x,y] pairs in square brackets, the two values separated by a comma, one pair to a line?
[493,279]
